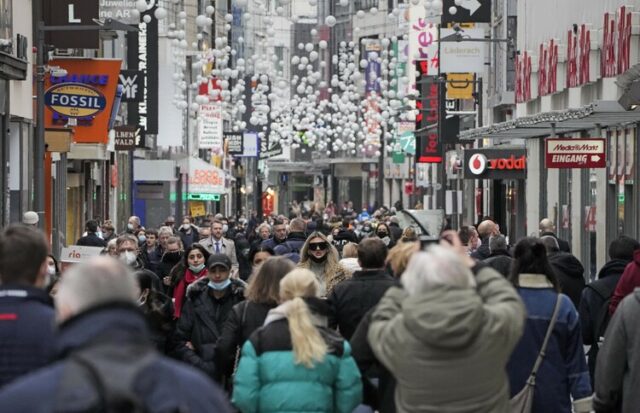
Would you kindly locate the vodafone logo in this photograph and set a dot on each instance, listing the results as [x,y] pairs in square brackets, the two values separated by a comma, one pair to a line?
[478,164]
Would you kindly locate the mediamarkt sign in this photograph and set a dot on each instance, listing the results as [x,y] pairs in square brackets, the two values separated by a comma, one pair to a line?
[495,164]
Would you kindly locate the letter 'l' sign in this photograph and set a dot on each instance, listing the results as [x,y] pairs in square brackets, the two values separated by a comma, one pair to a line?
[72,15]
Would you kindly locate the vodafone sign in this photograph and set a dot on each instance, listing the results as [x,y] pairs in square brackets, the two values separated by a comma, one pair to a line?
[495,164]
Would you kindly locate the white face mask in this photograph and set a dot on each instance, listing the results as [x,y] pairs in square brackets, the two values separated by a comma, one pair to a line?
[51,270]
[185,226]
[225,228]
[128,257]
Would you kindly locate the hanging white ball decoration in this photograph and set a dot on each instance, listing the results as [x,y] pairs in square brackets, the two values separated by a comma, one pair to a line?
[201,20]
[141,6]
[146,18]
[210,10]
[330,21]
[160,13]
[453,10]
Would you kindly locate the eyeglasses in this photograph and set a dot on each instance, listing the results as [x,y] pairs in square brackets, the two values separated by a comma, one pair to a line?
[318,246]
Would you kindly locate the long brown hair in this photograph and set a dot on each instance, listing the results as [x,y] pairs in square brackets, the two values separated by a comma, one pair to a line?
[264,285]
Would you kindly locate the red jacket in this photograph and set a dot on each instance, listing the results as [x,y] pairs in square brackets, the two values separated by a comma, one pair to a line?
[629,281]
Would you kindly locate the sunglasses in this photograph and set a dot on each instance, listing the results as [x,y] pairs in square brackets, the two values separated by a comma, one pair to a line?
[318,246]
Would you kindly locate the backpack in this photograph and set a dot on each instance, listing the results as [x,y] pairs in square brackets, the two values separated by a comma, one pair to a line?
[288,251]
[602,318]
[101,379]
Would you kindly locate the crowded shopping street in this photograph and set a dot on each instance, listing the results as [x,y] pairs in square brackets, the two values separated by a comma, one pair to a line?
[319,206]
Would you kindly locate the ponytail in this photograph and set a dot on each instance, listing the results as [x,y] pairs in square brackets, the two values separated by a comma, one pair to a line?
[308,344]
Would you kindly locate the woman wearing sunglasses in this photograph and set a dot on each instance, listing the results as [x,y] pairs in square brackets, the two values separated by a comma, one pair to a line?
[322,258]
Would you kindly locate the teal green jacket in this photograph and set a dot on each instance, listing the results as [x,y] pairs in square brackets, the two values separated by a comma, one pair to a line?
[268,380]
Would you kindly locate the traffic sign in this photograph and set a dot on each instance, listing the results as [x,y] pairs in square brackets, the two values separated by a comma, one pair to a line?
[466,11]
[576,153]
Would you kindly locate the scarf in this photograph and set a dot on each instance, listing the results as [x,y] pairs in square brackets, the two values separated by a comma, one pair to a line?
[180,292]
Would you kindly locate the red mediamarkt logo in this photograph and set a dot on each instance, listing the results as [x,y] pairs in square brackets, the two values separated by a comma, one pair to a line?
[478,163]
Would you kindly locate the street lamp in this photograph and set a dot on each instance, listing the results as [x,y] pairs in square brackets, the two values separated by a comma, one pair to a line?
[39,146]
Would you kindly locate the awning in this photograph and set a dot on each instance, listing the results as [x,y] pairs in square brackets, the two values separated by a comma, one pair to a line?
[602,113]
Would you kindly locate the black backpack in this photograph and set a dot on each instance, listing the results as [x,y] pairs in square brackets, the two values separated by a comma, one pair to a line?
[602,318]
[101,379]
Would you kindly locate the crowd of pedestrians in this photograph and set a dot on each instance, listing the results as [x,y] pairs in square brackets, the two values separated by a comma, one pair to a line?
[316,314]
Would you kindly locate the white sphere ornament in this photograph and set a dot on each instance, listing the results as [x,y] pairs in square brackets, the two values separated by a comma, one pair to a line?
[453,10]
[160,13]
[437,5]
[322,44]
[343,3]
[373,11]
[146,18]
[201,20]
[135,14]
[228,17]
[141,6]
[416,2]
[330,21]
[360,14]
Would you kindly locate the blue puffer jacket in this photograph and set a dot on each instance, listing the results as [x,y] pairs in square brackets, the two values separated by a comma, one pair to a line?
[563,373]
[268,380]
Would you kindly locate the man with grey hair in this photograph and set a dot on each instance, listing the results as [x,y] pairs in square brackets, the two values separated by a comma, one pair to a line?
[449,331]
[499,258]
[567,268]
[106,360]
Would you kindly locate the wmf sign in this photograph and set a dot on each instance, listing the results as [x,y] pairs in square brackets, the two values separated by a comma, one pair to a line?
[132,82]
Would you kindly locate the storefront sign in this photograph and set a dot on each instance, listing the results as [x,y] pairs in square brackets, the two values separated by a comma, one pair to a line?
[460,85]
[205,178]
[121,10]
[234,143]
[210,127]
[86,94]
[77,253]
[548,68]
[576,153]
[142,55]
[71,13]
[374,66]
[430,107]
[423,41]
[75,100]
[467,11]
[461,57]
[132,82]
[616,43]
[578,49]
[523,77]
[126,137]
[495,164]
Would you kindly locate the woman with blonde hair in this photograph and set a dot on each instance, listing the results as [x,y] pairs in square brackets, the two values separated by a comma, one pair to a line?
[295,363]
[322,258]
[399,256]
[350,257]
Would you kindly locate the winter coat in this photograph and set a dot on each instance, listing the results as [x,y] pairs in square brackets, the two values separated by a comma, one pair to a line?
[563,373]
[227,247]
[629,281]
[618,367]
[294,243]
[202,321]
[164,385]
[448,347]
[483,252]
[245,318]
[342,238]
[152,258]
[570,273]
[591,304]
[269,380]
[562,244]
[271,243]
[500,261]
[379,396]
[92,240]
[189,239]
[26,330]
[353,298]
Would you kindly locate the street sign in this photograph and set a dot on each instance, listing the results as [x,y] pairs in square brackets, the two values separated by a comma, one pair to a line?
[72,13]
[468,11]
[576,153]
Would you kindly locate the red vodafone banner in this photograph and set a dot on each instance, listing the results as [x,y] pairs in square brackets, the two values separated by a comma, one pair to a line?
[576,153]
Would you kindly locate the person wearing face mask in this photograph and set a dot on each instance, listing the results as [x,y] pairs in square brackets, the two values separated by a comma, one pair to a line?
[384,233]
[53,272]
[188,232]
[108,231]
[92,239]
[322,258]
[209,302]
[129,254]
[133,225]
[157,309]
[171,257]
[191,268]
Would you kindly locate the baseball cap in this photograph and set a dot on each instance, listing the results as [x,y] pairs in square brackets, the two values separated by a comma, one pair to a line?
[219,260]
[30,218]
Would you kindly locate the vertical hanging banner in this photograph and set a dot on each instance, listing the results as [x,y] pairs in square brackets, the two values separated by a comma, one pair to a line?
[210,128]
[430,109]
[142,55]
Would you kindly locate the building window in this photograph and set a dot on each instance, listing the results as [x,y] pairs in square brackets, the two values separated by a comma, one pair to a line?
[365,4]
[6,26]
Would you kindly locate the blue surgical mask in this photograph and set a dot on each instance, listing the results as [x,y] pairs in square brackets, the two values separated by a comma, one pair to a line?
[221,285]
[142,238]
[197,268]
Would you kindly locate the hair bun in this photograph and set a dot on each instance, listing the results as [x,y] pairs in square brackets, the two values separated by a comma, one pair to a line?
[539,250]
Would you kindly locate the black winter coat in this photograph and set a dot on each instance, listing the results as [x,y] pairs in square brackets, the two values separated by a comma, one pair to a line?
[189,239]
[562,244]
[351,299]
[594,297]
[26,333]
[245,318]
[483,252]
[92,240]
[202,321]
[570,273]
[500,261]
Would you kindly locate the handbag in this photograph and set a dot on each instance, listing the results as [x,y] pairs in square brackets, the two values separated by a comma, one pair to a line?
[523,401]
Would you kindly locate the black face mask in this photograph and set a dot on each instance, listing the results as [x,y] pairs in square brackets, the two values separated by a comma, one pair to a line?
[172,257]
[318,260]
[382,234]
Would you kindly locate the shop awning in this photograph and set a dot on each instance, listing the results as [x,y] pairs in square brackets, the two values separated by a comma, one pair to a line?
[602,113]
